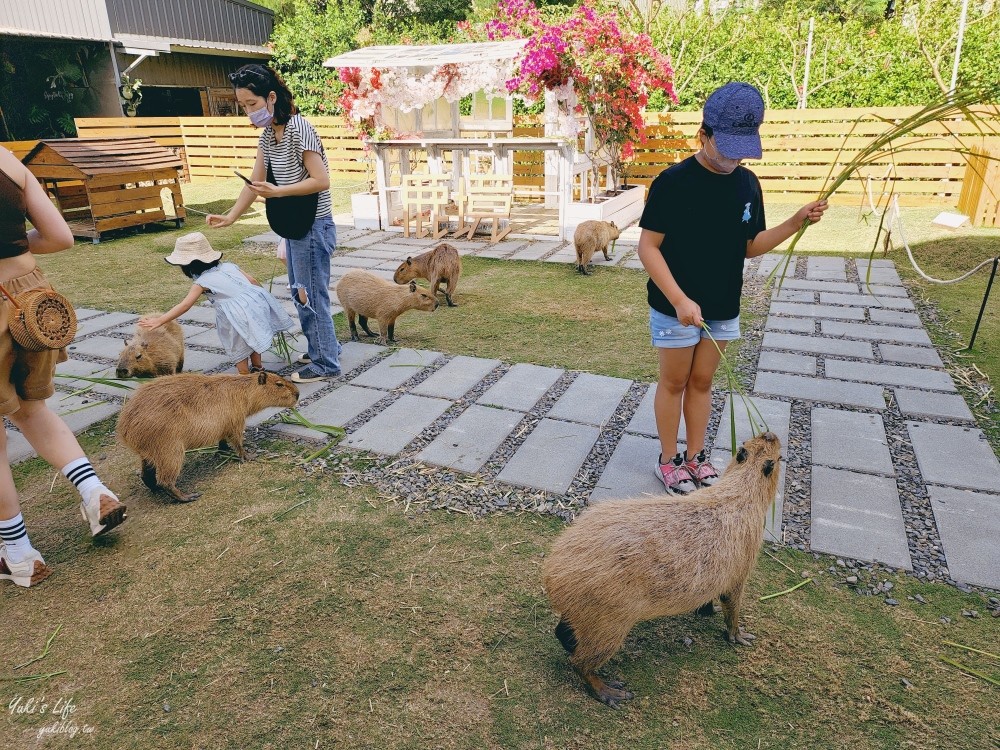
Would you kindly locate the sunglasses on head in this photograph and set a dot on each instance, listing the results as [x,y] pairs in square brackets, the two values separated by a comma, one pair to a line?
[244,76]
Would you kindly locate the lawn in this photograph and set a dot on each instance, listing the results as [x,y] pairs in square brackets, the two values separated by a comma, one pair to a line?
[286,610]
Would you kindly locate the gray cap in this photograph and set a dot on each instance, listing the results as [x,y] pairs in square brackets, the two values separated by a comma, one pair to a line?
[735,112]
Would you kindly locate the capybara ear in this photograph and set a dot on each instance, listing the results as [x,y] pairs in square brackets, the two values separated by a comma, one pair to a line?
[413,286]
[145,344]
[261,378]
[741,455]
[768,467]
[409,260]
[613,225]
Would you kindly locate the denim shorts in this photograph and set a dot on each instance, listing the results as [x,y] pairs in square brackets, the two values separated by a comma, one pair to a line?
[668,333]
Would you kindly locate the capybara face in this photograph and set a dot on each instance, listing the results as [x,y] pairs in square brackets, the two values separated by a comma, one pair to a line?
[615,231]
[281,392]
[425,301]
[135,362]
[764,450]
[405,272]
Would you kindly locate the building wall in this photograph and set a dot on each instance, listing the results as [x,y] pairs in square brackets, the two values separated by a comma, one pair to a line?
[72,19]
[230,21]
[183,69]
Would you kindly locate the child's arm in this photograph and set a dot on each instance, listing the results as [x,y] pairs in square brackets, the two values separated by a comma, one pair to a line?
[177,310]
[688,311]
[770,238]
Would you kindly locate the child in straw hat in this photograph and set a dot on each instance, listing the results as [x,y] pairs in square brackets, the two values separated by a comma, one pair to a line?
[246,316]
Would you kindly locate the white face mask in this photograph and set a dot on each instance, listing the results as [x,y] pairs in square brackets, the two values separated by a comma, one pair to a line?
[718,162]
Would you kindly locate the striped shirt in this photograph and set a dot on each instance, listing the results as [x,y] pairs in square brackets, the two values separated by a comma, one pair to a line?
[286,156]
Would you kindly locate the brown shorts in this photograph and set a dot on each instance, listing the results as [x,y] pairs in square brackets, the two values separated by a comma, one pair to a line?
[24,375]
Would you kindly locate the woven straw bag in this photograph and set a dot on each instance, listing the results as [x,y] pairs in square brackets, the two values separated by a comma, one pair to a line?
[42,319]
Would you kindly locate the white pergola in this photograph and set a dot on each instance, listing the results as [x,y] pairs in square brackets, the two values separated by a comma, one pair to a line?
[444,144]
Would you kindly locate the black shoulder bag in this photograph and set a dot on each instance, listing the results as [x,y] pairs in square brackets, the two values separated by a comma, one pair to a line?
[290,216]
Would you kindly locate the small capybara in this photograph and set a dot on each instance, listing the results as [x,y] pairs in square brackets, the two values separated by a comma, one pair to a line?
[591,236]
[441,265]
[150,353]
[366,295]
[175,413]
[627,561]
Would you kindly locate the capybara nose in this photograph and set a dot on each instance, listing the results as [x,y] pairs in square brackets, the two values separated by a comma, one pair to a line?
[121,373]
[770,437]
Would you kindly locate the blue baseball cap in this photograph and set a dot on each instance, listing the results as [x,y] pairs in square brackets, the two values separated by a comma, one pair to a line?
[735,112]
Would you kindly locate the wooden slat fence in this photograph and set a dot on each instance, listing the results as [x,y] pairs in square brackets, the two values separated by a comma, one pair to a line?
[800,146]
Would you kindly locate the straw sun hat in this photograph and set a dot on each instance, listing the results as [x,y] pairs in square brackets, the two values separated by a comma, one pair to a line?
[194,246]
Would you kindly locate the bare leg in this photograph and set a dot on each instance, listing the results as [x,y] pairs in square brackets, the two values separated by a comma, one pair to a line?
[698,393]
[675,368]
[9,505]
[242,367]
[256,361]
[47,433]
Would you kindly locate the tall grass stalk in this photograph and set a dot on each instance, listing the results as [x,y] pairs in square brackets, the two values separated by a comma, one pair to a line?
[758,424]
[293,416]
[939,111]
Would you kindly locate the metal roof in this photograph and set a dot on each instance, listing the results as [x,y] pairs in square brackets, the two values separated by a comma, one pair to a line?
[56,19]
[429,55]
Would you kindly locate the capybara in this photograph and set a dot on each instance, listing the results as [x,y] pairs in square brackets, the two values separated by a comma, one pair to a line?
[366,295]
[175,413]
[591,236]
[441,265]
[627,561]
[153,352]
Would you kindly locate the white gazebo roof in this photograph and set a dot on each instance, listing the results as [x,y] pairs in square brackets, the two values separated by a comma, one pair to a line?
[429,55]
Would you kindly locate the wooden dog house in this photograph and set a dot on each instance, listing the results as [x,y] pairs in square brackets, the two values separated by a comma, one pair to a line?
[108,183]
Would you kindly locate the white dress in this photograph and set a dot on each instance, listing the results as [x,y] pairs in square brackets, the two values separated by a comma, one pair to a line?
[246,316]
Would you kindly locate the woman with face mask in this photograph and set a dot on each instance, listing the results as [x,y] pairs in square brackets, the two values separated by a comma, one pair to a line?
[703,218]
[292,175]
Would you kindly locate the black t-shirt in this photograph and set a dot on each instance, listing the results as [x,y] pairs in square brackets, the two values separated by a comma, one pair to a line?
[707,220]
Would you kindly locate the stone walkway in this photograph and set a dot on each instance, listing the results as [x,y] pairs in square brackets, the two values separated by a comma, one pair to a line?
[884,462]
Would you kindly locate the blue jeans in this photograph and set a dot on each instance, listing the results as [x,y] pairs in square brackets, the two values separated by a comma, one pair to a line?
[668,333]
[309,269]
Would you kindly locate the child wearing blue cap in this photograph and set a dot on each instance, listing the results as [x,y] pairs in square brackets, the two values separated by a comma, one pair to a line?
[704,216]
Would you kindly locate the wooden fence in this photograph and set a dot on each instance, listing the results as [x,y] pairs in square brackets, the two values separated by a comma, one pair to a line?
[800,150]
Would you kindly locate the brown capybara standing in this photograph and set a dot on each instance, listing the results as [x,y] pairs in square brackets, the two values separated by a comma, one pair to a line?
[150,353]
[591,236]
[175,413]
[627,561]
[366,295]
[441,265]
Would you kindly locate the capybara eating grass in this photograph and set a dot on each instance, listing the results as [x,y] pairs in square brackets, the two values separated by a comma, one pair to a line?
[176,413]
[150,353]
[366,295]
[627,561]
[440,265]
[591,236]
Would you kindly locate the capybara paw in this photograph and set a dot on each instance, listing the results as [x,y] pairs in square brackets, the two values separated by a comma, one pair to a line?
[451,304]
[707,610]
[741,638]
[613,697]
[354,337]
[184,498]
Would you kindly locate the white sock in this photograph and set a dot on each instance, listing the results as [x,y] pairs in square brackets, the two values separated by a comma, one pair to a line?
[82,474]
[15,538]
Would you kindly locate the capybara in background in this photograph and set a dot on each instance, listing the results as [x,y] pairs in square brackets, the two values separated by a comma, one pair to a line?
[175,413]
[591,236]
[153,352]
[626,561]
[366,295]
[441,265]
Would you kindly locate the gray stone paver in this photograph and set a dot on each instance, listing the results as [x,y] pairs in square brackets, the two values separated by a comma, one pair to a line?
[879,275]
[927,404]
[954,456]
[865,300]
[820,389]
[103,322]
[883,290]
[350,262]
[643,422]
[398,425]
[850,440]
[817,345]
[336,408]
[797,364]
[969,523]
[867,372]
[396,369]
[98,346]
[793,295]
[195,361]
[769,262]
[875,332]
[353,354]
[814,285]
[550,456]
[631,470]
[456,378]
[895,318]
[535,250]
[18,447]
[796,325]
[81,411]
[468,442]
[832,312]
[914,355]
[521,387]
[858,515]
[826,268]
[82,313]
[591,399]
